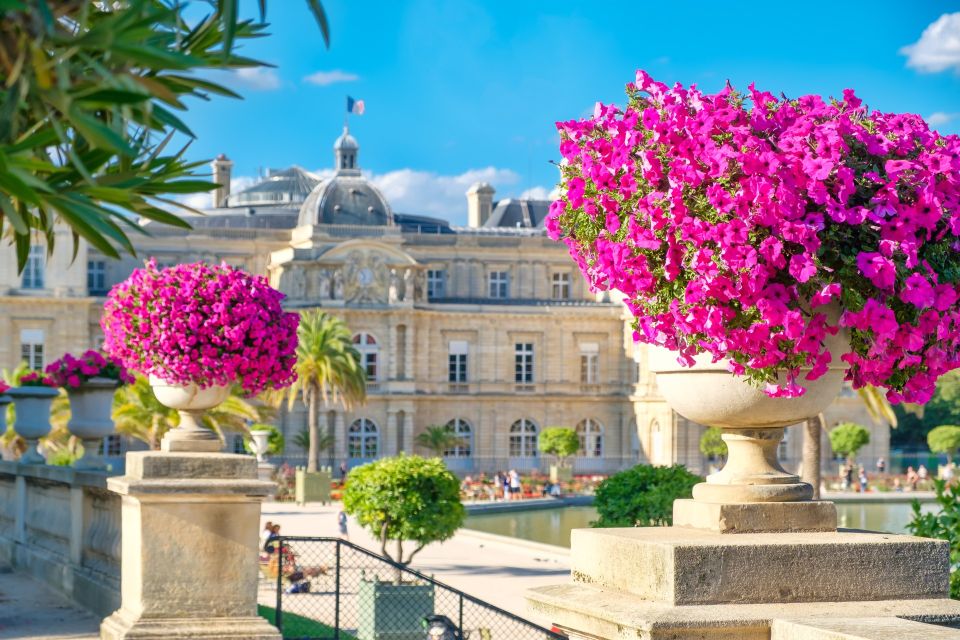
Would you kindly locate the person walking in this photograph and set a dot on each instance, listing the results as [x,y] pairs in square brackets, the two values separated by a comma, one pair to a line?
[881,465]
[862,480]
[343,472]
[515,485]
[342,525]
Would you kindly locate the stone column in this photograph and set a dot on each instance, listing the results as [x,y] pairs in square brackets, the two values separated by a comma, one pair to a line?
[339,440]
[392,353]
[390,435]
[190,546]
[407,430]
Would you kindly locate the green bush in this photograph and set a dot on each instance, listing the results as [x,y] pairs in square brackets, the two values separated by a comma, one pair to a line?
[642,496]
[848,438]
[944,439]
[406,498]
[943,524]
[711,444]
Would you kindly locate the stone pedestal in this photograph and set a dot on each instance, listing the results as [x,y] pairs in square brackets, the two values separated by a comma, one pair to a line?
[189,548]
[681,583]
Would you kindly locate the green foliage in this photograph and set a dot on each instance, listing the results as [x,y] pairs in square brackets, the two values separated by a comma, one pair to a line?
[943,408]
[405,498]
[848,438]
[561,442]
[642,496]
[63,457]
[275,441]
[944,439]
[944,524]
[712,445]
[437,439]
[302,440]
[88,105]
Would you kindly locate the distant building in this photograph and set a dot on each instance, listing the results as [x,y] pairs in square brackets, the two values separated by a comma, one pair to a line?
[487,328]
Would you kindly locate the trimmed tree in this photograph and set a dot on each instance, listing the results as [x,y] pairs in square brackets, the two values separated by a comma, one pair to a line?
[848,438]
[405,499]
[944,439]
[642,496]
[559,442]
[711,444]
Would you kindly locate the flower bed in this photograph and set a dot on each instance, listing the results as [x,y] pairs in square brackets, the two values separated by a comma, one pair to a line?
[204,325]
[730,222]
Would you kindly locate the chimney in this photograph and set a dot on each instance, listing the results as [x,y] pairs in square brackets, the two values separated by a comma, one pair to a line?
[222,167]
[479,204]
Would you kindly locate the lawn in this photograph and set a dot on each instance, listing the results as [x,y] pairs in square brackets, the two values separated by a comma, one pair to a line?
[295,626]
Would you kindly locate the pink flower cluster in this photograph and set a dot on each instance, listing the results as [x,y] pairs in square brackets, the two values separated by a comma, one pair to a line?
[4,387]
[35,379]
[208,325]
[71,372]
[733,222]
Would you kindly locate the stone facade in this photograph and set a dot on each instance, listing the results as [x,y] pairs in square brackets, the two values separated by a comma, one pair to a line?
[489,326]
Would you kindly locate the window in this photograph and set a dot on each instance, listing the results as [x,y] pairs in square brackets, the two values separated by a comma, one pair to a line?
[369,350]
[461,429]
[33,271]
[590,433]
[363,439]
[112,446]
[436,283]
[561,286]
[96,276]
[523,360]
[237,446]
[457,370]
[589,363]
[31,347]
[499,282]
[523,439]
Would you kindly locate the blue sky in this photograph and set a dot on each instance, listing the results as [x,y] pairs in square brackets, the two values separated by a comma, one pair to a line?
[457,91]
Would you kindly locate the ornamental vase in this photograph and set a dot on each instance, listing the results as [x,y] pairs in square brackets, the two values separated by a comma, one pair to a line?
[33,418]
[752,422]
[190,401]
[91,406]
[261,441]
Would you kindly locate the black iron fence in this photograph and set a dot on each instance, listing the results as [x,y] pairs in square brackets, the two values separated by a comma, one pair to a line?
[330,589]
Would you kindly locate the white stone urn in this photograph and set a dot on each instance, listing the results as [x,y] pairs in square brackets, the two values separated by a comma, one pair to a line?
[33,418]
[190,401]
[261,438]
[91,408]
[752,423]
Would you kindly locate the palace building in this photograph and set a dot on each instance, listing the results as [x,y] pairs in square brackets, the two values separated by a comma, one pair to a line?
[488,328]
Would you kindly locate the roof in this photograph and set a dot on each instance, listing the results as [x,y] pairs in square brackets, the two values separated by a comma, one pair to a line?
[288,185]
[346,199]
[422,224]
[518,213]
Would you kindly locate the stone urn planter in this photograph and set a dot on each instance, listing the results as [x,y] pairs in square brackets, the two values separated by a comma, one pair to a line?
[33,418]
[190,401]
[752,423]
[91,406]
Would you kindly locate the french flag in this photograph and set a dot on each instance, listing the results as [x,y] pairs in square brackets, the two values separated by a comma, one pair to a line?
[355,106]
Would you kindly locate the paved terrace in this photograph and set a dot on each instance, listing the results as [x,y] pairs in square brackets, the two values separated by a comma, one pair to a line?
[31,611]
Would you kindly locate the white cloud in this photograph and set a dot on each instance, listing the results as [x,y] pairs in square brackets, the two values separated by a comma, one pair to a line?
[539,193]
[938,48]
[325,78]
[257,78]
[939,118]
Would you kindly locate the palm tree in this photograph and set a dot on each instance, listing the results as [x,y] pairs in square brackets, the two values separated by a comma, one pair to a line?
[302,440]
[138,414]
[329,372]
[437,438]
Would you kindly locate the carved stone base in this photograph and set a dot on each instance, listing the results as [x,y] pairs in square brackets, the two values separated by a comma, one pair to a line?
[124,626]
[756,517]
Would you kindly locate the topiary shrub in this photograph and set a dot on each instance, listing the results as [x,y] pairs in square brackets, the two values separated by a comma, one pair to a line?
[560,442]
[405,498]
[848,438]
[642,496]
[944,439]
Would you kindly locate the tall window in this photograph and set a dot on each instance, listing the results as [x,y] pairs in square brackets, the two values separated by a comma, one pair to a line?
[369,350]
[523,360]
[363,439]
[561,286]
[457,361]
[96,276]
[590,433]
[436,283]
[589,363]
[461,429]
[33,271]
[112,445]
[523,439]
[499,284]
[31,347]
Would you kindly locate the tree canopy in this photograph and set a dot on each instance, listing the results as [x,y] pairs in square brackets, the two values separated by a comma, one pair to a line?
[437,439]
[561,442]
[848,438]
[944,439]
[405,498]
[91,104]
[711,444]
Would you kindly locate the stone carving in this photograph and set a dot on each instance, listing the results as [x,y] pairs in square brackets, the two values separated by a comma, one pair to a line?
[298,283]
[338,285]
[367,278]
[324,284]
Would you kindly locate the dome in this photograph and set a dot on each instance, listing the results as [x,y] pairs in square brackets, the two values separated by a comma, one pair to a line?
[345,141]
[289,186]
[346,199]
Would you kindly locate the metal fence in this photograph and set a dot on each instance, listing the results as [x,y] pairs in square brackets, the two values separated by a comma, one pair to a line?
[330,589]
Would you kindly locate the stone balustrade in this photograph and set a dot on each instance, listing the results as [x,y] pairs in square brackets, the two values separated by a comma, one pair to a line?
[62,526]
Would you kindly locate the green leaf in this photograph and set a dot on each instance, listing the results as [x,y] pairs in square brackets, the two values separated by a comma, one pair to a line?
[113,96]
[99,134]
[168,118]
[321,17]
[10,213]
[227,9]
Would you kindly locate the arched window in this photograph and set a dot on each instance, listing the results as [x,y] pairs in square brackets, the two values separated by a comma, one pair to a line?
[369,350]
[363,439]
[590,432]
[461,429]
[523,439]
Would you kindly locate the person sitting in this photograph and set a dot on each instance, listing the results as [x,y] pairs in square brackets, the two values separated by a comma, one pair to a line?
[270,545]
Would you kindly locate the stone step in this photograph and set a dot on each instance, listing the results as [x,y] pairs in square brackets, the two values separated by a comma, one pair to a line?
[686,566]
[859,629]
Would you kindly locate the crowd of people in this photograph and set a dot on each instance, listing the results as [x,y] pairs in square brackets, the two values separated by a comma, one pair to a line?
[855,478]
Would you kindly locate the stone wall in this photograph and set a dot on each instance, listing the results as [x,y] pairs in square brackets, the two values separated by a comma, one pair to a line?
[62,526]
